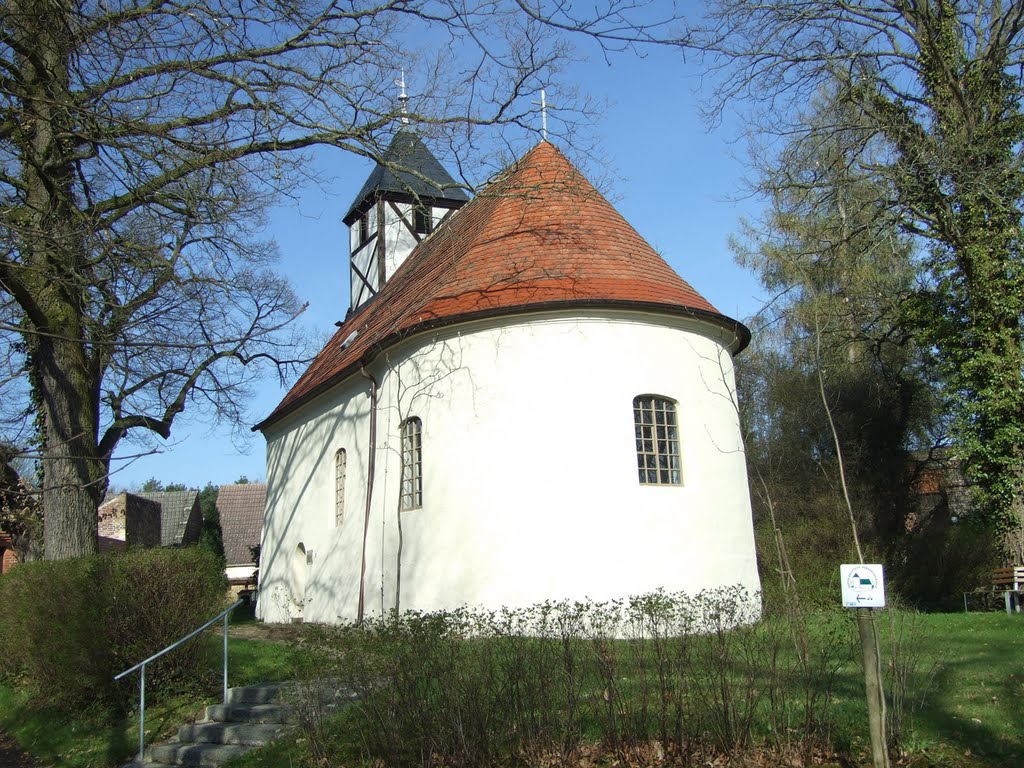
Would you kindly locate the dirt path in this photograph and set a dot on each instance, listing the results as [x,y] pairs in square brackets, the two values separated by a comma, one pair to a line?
[275,633]
[11,755]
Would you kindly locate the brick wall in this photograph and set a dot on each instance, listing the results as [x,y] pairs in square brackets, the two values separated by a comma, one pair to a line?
[9,559]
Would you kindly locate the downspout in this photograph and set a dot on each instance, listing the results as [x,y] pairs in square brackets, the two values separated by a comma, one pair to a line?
[398,565]
[371,466]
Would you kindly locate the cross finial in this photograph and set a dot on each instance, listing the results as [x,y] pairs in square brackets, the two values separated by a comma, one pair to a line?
[543,113]
[403,98]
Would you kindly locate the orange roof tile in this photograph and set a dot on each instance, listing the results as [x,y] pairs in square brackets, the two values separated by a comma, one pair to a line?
[539,237]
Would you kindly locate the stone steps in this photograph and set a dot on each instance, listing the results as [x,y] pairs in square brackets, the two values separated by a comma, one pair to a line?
[247,733]
[251,718]
[195,754]
[249,713]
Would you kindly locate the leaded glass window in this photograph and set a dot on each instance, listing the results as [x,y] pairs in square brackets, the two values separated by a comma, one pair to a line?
[657,441]
[412,464]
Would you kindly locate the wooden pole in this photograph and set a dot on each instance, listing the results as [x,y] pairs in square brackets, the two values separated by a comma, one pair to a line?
[873,687]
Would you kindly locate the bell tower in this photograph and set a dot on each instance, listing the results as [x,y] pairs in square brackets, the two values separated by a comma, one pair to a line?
[407,195]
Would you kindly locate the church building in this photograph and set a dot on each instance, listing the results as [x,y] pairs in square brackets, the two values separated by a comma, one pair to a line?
[524,403]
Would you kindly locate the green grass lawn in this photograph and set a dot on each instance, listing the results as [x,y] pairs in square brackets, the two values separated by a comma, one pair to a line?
[975,702]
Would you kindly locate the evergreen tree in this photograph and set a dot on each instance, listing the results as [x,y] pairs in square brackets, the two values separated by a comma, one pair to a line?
[211,537]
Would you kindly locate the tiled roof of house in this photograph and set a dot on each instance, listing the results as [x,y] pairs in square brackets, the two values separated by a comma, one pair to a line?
[408,167]
[241,519]
[175,509]
[539,237]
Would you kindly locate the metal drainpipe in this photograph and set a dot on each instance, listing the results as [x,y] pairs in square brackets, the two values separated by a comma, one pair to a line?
[371,466]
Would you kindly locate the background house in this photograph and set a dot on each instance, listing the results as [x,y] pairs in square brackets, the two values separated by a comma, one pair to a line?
[241,510]
[128,520]
[8,557]
[181,518]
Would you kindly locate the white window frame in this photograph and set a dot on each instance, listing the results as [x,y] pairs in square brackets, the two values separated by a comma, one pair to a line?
[411,491]
[658,444]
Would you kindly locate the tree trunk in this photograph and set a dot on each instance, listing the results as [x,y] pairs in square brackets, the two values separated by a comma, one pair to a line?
[74,477]
[49,281]
[69,513]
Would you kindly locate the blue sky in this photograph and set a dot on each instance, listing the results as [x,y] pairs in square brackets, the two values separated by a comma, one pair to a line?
[679,184]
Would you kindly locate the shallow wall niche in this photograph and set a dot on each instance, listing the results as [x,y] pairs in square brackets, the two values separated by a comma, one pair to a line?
[300,570]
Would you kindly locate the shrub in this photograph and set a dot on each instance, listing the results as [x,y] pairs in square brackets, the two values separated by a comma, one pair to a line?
[50,629]
[154,597]
[69,626]
[665,672]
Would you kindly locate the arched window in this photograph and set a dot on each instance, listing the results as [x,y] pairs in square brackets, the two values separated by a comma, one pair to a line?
[657,441]
[340,467]
[412,464]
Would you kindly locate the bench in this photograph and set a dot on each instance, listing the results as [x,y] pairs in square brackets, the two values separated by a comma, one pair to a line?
[1009,581]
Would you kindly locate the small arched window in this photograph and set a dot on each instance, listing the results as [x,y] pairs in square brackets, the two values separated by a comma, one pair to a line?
[657,441]
[340,467]
[412,464]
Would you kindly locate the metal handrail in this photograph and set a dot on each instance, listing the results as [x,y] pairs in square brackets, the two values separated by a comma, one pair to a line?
[142,666]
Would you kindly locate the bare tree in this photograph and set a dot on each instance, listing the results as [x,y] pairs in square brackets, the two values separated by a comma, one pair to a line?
[140,143]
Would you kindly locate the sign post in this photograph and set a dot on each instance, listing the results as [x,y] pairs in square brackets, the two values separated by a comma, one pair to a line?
[863,587]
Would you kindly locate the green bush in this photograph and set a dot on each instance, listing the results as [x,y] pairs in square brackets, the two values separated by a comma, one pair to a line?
[154,597]
[69,626]
[50,629]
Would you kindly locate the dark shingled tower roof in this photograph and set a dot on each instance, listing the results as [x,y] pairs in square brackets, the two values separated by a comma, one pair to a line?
[408,168]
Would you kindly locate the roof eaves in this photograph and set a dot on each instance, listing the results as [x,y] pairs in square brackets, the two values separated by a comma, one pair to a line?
[740,332]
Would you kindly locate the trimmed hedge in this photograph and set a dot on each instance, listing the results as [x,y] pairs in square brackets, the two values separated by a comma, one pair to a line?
[67,627]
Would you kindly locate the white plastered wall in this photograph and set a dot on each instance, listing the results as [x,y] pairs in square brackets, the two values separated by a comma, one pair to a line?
[399,242]
[529,463]
[301,506]
[236,573]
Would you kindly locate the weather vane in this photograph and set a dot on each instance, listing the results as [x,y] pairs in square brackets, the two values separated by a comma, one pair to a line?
[403,98]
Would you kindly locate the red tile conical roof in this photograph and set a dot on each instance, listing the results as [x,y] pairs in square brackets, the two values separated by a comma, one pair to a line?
[540,237]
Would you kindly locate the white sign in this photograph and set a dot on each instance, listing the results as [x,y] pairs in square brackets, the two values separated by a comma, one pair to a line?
[863,585]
